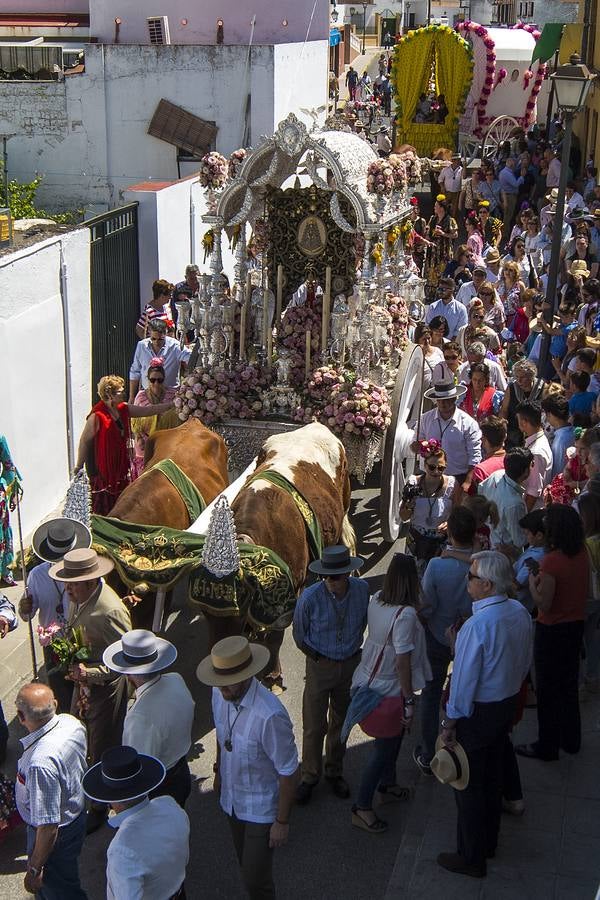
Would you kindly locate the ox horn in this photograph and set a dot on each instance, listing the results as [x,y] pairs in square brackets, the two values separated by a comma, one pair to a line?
[220,555]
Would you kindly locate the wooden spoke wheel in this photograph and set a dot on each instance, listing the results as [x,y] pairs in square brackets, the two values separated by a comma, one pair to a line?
[501,129]
[468,147]
[398,461]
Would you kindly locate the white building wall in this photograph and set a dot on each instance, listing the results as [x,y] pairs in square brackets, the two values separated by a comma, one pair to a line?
[87,136]
[37,350]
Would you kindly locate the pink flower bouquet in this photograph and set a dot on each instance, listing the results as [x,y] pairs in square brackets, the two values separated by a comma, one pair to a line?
[380,178]
[213,171]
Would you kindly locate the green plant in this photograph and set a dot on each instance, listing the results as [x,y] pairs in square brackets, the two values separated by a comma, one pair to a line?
[21,200]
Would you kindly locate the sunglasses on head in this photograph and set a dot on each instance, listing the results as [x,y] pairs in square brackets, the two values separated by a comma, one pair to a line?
[436,468]
[156,380]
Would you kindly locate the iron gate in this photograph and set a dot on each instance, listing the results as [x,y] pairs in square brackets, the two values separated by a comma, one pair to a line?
[115,291]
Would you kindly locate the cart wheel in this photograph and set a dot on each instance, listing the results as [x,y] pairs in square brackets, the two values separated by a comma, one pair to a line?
[468,147]
[499,131]
[398,461]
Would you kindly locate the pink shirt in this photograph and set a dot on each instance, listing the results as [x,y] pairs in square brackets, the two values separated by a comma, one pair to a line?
[486,467]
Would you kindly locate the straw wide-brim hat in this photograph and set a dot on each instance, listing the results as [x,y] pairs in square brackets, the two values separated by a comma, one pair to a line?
[81,565]
[450,765]
[336,560]
[232,660]
[139,652]
[445,390]
[123,774]
[552,195]
[492,256]
[579,267]
[52,539]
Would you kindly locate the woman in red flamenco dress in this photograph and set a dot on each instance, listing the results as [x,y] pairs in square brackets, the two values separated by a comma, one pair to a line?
[105,443]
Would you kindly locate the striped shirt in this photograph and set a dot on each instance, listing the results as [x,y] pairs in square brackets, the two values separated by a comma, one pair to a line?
[151,312]
[48,788]
[331,627]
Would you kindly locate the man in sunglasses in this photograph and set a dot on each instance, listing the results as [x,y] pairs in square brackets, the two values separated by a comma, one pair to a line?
[329,622]
[470,289]
[491,661]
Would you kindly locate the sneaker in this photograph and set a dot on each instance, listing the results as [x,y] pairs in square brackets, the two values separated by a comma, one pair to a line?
[421,760]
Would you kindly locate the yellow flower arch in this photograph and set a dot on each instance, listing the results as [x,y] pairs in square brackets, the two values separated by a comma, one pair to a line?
[413,58]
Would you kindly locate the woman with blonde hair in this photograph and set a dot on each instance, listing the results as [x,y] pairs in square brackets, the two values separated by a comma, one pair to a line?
[493,310]
[104,445]
[510,288]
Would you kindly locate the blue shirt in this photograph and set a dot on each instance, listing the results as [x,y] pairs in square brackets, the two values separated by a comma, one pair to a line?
[492,656]
[445,595]
[331,627]
[172,355]
[522,575]
[509,182]
[582,402]
[454,312]
[563,439]
[558,343]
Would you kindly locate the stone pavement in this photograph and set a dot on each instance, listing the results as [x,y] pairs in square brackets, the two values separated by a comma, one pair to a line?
[551,853]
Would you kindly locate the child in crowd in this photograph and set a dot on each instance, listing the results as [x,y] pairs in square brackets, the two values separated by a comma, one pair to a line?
[581,400]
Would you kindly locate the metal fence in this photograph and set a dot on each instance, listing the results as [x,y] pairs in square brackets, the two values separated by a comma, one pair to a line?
[115,290]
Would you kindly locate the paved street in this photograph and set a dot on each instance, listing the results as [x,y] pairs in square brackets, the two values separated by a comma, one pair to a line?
[552,852]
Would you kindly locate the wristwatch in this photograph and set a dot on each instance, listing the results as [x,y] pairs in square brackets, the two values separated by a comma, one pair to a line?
[410,702]
[447,725]
[31,870]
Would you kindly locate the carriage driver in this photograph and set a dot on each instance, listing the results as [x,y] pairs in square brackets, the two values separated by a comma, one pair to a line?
[329,622]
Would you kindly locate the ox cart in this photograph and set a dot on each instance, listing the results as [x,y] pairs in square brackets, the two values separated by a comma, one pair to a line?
[484,77]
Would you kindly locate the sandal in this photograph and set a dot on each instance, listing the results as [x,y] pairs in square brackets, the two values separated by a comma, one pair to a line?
[394,792]
[378,826]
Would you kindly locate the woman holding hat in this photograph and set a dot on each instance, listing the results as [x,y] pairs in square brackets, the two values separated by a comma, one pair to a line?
[582,252]
[394,664]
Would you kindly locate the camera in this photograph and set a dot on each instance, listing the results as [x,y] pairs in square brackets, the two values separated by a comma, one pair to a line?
[410,492]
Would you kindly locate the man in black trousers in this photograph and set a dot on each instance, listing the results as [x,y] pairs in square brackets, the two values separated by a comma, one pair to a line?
[492,658]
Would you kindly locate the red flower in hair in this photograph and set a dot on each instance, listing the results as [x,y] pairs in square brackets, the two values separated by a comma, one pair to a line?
[157,361]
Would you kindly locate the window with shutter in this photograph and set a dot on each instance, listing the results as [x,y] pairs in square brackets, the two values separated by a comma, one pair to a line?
[158,29]
[183,129]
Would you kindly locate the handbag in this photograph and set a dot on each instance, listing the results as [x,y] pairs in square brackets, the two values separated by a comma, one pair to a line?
[386,719]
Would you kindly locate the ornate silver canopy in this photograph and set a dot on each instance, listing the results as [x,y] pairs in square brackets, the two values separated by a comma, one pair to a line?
[345,155]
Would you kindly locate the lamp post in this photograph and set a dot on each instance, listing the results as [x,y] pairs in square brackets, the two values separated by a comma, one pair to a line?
[364,39]
[571,83]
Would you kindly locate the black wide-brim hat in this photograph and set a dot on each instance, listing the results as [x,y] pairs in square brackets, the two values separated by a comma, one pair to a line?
[123,774]
[336,560]
[52,539]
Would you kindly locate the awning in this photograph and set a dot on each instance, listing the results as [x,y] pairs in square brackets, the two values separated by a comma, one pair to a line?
[335,37]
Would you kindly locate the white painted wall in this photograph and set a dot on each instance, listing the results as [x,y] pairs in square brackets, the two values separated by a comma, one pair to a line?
[32,334]
[277,21]
[87,136]
[170,232]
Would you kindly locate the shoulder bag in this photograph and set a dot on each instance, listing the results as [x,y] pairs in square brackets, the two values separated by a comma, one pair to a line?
[386,719]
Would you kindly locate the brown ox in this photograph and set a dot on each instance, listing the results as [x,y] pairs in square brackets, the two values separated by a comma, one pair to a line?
[151,499]
[314,460]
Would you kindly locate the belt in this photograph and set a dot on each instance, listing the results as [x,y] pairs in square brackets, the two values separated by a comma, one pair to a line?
[316,656]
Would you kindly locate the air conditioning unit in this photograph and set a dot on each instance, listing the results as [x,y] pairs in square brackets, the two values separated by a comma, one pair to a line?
[158,29]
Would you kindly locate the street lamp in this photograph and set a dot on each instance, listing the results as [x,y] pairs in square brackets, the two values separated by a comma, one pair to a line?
[334,15]
[571,83]
[364,40]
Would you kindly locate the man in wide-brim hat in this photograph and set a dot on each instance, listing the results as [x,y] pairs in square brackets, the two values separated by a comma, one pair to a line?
[103,619]
[458,432]
[256,771]
[150,851]
[329,622]
[159,723]
[50,541]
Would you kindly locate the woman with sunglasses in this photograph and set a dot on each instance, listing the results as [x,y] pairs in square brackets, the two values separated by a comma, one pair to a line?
[394,664]
[527,275]
[510,288]
[142,428]
[448,369]
[493,309]
[426,508]
[439,331]
[466,334]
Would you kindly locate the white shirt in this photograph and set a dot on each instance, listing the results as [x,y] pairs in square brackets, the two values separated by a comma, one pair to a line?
[48,787]
[454,312]
[466,292]
[508,497]
[451,179]
[172,354]
[261,733]
[460,437]
[492,277]
[147,858]
[159,722]
[497,376]
[49,597]
[407,636]
[541,470]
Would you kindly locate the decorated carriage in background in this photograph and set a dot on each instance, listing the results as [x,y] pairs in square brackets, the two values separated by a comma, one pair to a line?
[485,77]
